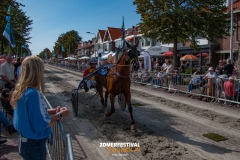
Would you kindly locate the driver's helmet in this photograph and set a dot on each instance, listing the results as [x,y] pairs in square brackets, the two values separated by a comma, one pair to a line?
[93,61]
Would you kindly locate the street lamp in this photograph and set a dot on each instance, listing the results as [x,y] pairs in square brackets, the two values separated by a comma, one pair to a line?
[94,43]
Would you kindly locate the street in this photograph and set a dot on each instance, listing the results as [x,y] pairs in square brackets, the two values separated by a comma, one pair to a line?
[165,129]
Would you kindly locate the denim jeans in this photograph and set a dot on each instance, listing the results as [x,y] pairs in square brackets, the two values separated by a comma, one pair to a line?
[156,82]
[31,149]
[4,120]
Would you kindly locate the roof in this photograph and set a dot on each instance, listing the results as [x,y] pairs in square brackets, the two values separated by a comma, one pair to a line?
[236,5]
[114,33]
[102,33]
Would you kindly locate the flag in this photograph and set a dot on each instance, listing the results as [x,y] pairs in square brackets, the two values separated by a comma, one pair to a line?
[63,49]
[8,33]
[9,10]
[123,40]
[24,45]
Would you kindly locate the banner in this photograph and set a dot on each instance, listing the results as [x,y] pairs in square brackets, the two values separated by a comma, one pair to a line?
[147,61]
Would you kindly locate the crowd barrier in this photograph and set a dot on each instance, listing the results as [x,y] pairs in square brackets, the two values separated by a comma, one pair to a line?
[61,148]
[208,89]
[178,83]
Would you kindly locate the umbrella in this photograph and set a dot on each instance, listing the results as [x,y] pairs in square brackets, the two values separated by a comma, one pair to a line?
[206,58]
[203,55]
[2,61]
[84,57]
[189,57]
[168,54]
[70,58]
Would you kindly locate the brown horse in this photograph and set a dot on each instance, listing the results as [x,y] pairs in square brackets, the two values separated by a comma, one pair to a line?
[118,79]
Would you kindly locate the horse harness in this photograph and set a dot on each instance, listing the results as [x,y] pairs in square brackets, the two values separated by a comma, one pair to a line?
[112,61]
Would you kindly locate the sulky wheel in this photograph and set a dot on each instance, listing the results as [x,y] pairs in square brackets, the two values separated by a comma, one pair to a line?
[122,101]
[75,102]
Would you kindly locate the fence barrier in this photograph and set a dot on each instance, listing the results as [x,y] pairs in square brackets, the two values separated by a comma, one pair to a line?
[62,143]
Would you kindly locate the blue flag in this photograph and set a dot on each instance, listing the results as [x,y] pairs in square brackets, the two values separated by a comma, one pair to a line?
[123,40]
[9,10]
[63,49]
[24,45]
[53,54]
[8,33]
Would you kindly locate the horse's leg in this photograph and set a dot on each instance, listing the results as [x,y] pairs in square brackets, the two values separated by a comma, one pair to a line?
[112,98]
[100,92]
[99,87]
[106,98]
[128,101]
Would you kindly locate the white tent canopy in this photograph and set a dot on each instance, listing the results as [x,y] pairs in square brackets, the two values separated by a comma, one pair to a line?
[106,56]
[84,57]
[70,58]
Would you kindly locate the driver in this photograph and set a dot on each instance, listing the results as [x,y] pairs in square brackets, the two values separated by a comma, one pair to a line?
[87,71]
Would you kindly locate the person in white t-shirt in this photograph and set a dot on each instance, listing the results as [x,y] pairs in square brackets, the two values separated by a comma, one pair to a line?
[210,75]
[7,73]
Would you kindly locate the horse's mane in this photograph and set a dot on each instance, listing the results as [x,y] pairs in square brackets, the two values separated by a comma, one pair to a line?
[117,53]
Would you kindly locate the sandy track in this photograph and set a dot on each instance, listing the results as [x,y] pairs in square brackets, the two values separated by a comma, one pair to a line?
[166,129]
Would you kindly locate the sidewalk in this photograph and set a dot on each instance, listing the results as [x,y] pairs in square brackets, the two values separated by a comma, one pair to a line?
[9,150]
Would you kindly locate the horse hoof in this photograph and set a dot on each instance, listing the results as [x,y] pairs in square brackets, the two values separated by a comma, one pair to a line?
[107,114]
[133,127]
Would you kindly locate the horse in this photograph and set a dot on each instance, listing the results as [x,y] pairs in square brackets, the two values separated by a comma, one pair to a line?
[118,81]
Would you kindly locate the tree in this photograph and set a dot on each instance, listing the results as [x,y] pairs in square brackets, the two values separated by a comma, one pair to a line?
[173,21]
[20,24]
[69,41]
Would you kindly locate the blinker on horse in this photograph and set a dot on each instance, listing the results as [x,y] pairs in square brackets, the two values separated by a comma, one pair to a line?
[118,79]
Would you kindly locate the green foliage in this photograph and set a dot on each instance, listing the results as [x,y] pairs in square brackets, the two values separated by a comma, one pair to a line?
[173,21]
[190,70]
[20,24]
[69,41]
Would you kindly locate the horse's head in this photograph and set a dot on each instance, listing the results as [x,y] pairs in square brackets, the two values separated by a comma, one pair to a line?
[133,53]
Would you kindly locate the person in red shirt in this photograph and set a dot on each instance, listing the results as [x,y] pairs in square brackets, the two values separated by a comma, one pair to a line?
[87,71]
[230,90]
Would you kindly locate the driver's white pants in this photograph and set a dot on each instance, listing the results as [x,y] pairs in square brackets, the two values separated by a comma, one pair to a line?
[91,83]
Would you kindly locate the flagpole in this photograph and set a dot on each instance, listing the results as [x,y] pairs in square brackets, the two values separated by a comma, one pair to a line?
[231,32]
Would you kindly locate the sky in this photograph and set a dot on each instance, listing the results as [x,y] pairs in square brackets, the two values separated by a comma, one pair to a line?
[54,17]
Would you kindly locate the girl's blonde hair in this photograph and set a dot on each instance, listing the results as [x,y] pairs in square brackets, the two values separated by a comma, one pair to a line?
[31,75]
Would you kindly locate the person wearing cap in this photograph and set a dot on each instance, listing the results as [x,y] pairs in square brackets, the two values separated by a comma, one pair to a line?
[210,75]
[230,90]
[87,71]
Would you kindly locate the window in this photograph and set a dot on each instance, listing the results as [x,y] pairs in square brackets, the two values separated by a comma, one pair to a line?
[145,42]
[118,43]
[106,46]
